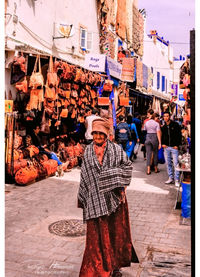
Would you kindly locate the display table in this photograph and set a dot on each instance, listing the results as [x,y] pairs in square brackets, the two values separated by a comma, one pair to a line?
[178,195]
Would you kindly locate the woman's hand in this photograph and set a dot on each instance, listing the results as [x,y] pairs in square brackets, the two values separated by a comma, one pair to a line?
[159,146]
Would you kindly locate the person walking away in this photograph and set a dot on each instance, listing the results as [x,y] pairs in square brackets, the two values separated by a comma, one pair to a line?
[143,138]
[171,140]
[122,133]
[88,125]
[134,137]
[153,141]
[138,123]
[105,173]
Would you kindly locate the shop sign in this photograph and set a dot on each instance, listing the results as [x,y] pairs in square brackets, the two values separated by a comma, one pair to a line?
[181,98]
[67,30]
[127,70]
[8,106]
[95,62]
[115,68]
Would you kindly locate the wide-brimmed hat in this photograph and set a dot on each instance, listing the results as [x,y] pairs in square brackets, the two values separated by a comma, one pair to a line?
[101,125]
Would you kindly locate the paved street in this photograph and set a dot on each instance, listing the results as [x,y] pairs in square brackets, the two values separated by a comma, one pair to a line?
[162,244]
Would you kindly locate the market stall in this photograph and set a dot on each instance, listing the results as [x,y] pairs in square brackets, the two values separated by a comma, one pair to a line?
[57,97]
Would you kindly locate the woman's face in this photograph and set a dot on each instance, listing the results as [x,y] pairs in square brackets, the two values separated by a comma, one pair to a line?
[99,137]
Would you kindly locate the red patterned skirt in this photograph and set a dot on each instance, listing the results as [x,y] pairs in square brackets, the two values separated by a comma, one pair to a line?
[108,244]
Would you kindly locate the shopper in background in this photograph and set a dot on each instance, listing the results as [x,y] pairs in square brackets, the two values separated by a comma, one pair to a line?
[134,137]
[153,141]
[138,123]
[171,140]
[122,133]
[105,173]
[88,125]
[143,138]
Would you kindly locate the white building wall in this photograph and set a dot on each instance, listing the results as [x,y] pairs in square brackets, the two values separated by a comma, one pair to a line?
[156,56]
[35,26]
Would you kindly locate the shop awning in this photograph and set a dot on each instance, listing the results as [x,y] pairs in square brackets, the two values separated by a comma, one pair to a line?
[160,95]
[133,93]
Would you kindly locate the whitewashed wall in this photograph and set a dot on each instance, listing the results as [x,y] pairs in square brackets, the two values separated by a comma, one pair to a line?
[153,57]
[36,20]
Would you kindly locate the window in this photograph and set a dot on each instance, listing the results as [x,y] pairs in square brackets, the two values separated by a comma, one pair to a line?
[163,83]
[158,80]
[85,39]
[152,76]
[166,85]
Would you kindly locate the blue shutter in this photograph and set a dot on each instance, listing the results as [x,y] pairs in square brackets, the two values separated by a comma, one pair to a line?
[152,78]
[158,80]
[163,83]
[166,85]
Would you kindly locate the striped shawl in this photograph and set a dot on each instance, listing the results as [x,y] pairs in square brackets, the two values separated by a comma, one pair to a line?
[98,191]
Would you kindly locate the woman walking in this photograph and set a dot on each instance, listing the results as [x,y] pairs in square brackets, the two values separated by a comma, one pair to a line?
[134,137]
[153,141]
[105,173]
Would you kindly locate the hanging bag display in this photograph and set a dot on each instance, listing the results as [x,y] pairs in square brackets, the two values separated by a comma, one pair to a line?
[36,79]
[22,86]
[50,93]
[51,75]
[45,128]
[108,85]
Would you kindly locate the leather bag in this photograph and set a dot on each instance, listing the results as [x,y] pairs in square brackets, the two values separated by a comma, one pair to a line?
[45,128]
[108,85]
[36,79]
[22,86]
[52,78]
[26,175]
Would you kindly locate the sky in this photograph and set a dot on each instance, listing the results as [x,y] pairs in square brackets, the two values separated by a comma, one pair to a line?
[173,20]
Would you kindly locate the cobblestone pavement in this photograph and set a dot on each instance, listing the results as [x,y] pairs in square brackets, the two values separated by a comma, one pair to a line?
[163,245]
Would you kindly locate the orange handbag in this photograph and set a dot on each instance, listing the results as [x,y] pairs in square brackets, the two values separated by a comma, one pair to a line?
[36,99]
[78,75]
[73,162]
[33,150]
[50,166]
[67,73]
[19,164]
[108,85]
[78,150]
[75,86]
[123,101]
[103,101]
[73,101]
[26,175]
[50,93]
[36,79]
[93,93]
[22,86]
[51,75]
[64,113]
[74,113]
[74,93]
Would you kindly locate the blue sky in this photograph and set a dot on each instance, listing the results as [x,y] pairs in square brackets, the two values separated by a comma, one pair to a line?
[173,20]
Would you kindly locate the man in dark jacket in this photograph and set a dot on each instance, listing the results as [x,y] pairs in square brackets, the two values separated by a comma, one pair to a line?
[122,133]
[171,140]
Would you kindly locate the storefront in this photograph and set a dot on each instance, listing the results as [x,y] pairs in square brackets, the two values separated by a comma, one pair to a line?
[55,95]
